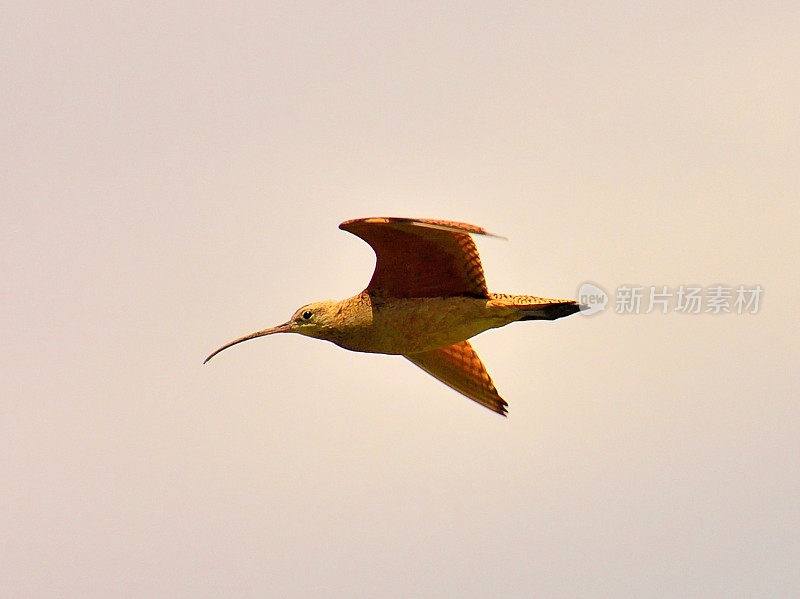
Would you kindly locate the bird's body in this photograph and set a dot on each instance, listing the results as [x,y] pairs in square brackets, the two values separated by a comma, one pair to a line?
[406,326]
[427,296]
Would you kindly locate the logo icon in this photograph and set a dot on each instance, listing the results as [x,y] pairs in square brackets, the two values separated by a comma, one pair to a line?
[592,298]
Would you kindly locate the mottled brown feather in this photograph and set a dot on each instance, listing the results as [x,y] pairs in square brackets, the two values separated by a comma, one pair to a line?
[537,308]
[459,367]
[421,257]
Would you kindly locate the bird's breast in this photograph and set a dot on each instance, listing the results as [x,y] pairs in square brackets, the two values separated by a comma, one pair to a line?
[414,325]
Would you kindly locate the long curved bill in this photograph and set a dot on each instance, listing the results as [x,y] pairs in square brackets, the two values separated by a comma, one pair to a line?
[286,327]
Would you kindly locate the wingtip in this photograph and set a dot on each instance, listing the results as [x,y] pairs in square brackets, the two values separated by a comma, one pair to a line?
[495,235]
[503,411]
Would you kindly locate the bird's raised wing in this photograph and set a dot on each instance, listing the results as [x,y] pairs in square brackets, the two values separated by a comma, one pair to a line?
[421,258]
[459,367]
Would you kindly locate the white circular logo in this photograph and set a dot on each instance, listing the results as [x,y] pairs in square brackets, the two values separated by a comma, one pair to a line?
[592,298]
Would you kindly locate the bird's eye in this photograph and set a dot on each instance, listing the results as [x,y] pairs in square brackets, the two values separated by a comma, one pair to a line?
[307,315]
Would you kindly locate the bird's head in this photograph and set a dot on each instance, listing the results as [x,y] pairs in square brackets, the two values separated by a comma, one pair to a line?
[313,320]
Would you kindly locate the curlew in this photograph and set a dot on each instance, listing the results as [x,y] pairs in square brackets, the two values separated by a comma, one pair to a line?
[426,298]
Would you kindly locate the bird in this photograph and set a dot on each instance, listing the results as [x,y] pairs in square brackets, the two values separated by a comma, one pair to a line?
[427,297]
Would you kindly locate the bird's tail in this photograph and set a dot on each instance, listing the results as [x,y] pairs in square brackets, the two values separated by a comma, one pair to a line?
[537,308]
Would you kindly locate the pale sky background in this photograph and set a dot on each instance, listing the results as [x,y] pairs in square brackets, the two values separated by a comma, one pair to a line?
[172,177]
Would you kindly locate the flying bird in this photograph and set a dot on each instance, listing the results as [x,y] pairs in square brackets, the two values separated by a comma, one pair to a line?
[426,298]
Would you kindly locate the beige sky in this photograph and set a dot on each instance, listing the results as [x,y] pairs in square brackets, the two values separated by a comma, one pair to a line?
[173,176]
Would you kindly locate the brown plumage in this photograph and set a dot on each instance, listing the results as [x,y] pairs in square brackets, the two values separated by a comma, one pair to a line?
[427,296]
[421,258]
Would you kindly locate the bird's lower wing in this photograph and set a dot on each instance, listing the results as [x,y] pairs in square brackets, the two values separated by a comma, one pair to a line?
[459,367]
